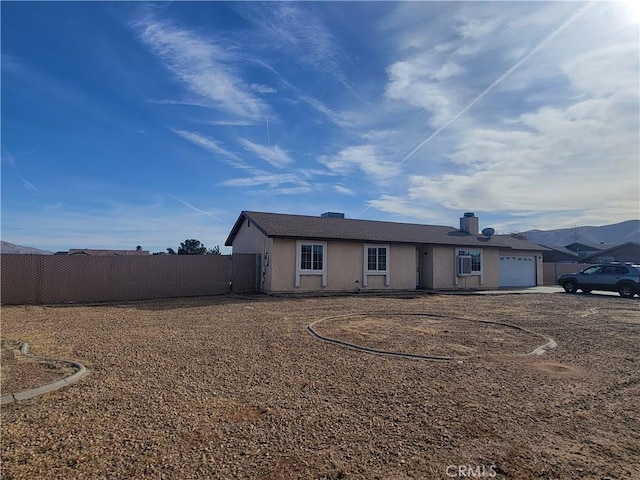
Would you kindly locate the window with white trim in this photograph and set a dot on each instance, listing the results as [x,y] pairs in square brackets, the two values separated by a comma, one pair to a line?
[376,262]
[311,256]
[469,262]
[377,259]
[311,259]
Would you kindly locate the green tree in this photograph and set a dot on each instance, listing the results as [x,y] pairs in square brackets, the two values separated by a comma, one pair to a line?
[214,251]
[192,247]
[171,251]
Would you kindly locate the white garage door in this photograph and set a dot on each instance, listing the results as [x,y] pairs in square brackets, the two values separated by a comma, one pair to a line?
[517,271]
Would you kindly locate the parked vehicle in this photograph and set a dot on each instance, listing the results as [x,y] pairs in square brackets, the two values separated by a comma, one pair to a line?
[611,277]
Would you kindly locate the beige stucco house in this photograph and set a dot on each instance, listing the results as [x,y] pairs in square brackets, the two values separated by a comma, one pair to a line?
[336,254]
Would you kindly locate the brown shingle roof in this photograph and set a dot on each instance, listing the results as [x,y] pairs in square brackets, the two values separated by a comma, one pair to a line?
[319,228]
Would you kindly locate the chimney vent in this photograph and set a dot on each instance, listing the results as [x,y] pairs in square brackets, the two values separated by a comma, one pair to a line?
[469,224]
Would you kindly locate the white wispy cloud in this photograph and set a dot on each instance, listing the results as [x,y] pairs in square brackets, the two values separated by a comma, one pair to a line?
[551,159]
[207,69]
[363,158]
[8,158]
[338,118]
[229,123]
[561,160]
[262,88]
[284,183]
[211,146]
[343,190]
[301,34]
[27,184]
[406,207]
[271,154]
[422,81]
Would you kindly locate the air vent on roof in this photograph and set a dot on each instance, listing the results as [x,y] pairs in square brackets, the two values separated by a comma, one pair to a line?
[332,215]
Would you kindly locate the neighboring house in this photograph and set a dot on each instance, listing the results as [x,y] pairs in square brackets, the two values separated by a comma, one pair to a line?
[584,249]
[332,253]
[559,255]
[95,253]
[627,252]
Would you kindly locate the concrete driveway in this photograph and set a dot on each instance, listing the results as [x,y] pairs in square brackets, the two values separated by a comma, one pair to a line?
[553,289]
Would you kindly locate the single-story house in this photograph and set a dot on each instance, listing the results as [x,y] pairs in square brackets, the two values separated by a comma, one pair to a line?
[584,249]
[332,253]
[559,255]
[627,252]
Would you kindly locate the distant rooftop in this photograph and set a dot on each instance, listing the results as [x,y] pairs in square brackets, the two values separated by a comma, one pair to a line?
[99,253]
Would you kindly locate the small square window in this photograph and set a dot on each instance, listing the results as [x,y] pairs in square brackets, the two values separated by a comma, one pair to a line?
[311,256]
[377,259]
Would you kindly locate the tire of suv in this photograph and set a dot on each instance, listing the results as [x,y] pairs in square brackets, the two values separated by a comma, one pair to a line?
[570,286]
[626,290]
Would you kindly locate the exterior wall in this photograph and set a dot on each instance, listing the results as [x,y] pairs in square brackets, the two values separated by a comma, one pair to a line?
[443,267]
[249,239]
[344,268]
[439,269]
[426,266]
[282,267]
[403,267]
[490,268]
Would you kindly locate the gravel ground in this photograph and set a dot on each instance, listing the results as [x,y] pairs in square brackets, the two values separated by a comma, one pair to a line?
[234,387]
[19,372]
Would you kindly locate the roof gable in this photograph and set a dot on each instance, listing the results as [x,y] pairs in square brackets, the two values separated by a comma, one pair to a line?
[585,247]
[634,246]
[277,225]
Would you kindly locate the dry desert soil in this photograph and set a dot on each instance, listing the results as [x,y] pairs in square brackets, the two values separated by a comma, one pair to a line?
[235,387]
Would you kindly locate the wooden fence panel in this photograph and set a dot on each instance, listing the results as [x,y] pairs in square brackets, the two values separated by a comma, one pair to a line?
[52,279]
[245,274]
[552,270]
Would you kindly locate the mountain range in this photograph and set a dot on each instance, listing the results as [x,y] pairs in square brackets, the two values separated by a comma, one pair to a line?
[614,234]
[6,247]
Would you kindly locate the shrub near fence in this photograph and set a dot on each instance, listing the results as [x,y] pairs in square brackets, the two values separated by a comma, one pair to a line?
[51,279]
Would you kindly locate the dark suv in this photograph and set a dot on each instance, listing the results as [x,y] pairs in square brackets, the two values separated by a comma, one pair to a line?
[612,277]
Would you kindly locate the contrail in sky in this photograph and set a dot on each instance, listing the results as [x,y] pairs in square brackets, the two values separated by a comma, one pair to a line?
[187,204]
[499,80]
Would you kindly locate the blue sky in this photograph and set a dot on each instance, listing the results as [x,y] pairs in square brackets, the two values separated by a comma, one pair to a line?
[128,124]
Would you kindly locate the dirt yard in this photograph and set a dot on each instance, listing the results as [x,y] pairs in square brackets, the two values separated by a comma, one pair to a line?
[234,387]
